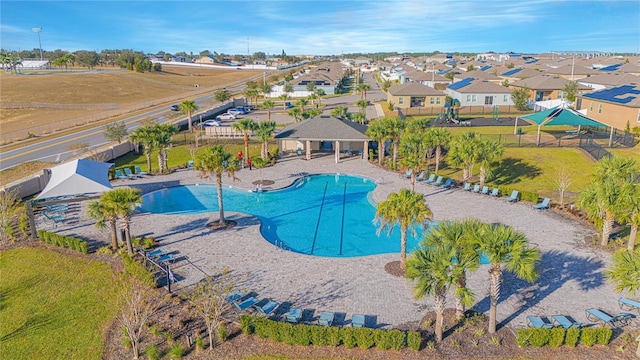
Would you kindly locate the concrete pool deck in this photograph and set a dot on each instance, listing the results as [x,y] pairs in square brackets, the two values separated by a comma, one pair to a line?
[571,274]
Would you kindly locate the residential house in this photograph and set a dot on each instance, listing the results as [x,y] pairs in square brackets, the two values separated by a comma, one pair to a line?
[478,75]
[571,71]
[609,80]
[415,95]
[615,107]
[545,87]
[361,61]
[205,60]
[326,76]
[518,74]
[431,79]
[479,94]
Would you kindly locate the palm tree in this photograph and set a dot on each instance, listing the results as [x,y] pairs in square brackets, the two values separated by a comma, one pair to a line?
[320,93]
[313,97]
[406,209]
[301,103]
[215,160]
[508,248]
[144,135]
[295,113]
[378,131]
[188,107]
[362,104]
[363,88]
[625,271]
[395,128]
[252,94]
[268,105]
[123,201]
[411,147]
[264,131]
[265,89]
[439,138]
[340,112]
[463,152]
[433,275]
[311,87]
[632,215]
[604,198]
[245,126]
[105,214]
[162,140]
[284,98]
[260,163]
[488,152]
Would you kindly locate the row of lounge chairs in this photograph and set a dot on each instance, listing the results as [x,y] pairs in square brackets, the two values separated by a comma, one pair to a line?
[128,174]
[438,181]
[594,315]
[485,190]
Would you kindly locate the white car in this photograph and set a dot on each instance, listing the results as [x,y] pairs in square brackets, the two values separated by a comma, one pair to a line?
[236,112]
[226,116]
[211,123]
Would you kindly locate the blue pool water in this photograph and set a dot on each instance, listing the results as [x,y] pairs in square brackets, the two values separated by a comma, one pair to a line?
[321,215]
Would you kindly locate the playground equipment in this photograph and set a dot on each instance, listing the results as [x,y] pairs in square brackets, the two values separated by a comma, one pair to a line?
[494,113]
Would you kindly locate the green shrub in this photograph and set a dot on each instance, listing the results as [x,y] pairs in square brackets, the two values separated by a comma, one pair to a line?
[303,335]
[348,337]
[153,353]
[104,250]
[148,242]
[557,337]
[137,270]
[413,340]
[522,337]
[588,336]
[397,339]
[260,327]
[199,344]
[382,340]
[24,225]
[540,337]
[529,196]
[603,336]
[571,337]
[222,332]
[8,229]
[246,325]
[365,338]
[288,333]
[176,351]
[319,335]
[333,336]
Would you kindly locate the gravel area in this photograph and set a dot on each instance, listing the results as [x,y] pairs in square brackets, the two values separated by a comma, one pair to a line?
[571,278]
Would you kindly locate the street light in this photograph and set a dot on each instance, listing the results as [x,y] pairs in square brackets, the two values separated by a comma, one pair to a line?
[38,31]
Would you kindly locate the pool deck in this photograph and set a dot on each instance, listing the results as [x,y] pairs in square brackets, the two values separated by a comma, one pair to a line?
[571,274]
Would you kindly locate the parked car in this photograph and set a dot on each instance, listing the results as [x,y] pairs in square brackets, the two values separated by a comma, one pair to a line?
[248,108]
[175,107]
[226,116]
[288,105]
[236,111]
[211,123]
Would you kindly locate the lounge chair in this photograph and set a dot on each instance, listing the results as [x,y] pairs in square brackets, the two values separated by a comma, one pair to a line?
[156,253]
[119,174]
[245,304]
[476,188]
[234,297]
[539,322]
[429,180]
[325,319]
[629,305]
[407,174]
[513,197]
[438,181]
[357,321]
[565,322]
[597,315]
[543,205]
[293,316]
[165,258]
[128,173]
[140,172]
[421,176]
[485,190]
[447,184]
[55,218]
[495,192]
[267,308]
[467,186]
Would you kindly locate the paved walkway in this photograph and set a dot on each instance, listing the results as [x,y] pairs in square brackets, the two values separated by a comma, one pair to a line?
[571,278]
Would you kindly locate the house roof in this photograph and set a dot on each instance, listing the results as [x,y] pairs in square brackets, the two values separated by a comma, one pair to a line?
[628,95]
[478,86]
[414,89]
[417,75]
[481,75]
[611,79]
[545,82]
[324,127]
[569,69]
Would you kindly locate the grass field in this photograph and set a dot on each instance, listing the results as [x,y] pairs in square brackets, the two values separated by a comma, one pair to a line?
[111,86]
[54,306]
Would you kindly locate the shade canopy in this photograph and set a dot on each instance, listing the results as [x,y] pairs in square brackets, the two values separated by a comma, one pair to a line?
[558,116]
[77,177]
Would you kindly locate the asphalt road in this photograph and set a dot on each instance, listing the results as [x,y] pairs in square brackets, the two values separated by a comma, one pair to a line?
[56,149]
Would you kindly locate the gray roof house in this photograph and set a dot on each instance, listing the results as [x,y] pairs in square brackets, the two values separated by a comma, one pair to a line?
[475,92]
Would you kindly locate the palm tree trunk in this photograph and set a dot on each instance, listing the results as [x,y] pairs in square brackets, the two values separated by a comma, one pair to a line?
[246,147]
[403,246]
[483,175]
[438,153]
[395,152]
[160,162]
[607,227]
[632,237]
[219,187]
[460,308]
[495,277]
[190,126]
[465,173]
[439,307]
[127,235]
[148,155]
[380,152]
[114,234]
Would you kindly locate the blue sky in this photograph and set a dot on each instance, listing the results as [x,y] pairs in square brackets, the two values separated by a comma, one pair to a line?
[323,27]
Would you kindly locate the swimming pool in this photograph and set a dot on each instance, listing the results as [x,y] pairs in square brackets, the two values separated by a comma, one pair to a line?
[322,215]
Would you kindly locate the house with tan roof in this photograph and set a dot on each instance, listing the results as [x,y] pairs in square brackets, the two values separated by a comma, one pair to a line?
[326,76]
[545,87]
[571,71]
[430,79]
[415,95]
[480,93]
[609,80]
[479,75]
[616,106]
[519,73]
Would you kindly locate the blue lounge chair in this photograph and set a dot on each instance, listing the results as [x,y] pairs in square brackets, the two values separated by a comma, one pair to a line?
[467,186]
[165,258]
[485,190]
[140,172]
[129,174]
[120,175]
[357,321]
[513,197]
[447,184]
[565,322]
[429,180]
[293,316]
[267,308]
[438,181]
[156,253]
[245,304]
[476,188]
[234,297]
[421,176]
[326,318]
[495,192]
[539,322]
[597,315]
[543,205]
[55,218]
[629,305]
[408,174]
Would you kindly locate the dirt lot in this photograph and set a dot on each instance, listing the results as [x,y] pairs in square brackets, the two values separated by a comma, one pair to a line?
[103,87]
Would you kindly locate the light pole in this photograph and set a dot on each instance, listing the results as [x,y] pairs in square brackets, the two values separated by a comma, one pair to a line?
[38,31]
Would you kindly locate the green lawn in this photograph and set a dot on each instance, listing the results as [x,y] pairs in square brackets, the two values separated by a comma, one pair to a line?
[53,306]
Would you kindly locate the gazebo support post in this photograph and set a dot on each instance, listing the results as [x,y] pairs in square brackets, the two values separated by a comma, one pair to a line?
[32,220]
[538,141]
[337,151]
[365,151]
[515,127]
[308,146]
[611,138]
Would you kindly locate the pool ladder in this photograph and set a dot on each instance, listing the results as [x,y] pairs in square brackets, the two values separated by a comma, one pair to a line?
[281,245]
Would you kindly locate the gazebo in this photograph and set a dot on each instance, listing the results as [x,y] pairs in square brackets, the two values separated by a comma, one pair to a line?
[324,133]
[559,116]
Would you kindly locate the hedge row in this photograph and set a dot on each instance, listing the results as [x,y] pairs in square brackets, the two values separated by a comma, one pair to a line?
[529,196]
[137,270]
[63,241]
[555,337]
[301,334]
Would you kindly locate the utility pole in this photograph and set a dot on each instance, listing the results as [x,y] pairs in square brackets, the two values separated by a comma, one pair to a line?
[38,30]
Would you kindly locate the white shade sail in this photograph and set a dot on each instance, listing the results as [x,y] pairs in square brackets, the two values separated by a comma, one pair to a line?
[77,177]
